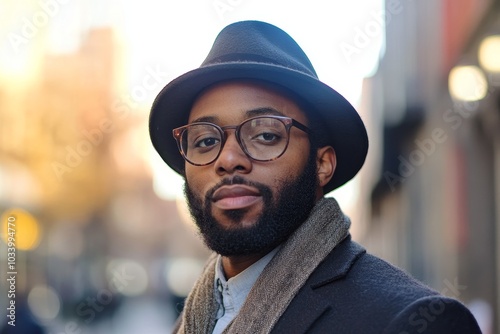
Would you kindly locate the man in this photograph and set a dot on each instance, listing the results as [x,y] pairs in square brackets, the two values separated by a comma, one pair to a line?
[260,140]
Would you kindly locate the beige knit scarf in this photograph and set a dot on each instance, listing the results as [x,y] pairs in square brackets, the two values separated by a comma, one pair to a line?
[280,281]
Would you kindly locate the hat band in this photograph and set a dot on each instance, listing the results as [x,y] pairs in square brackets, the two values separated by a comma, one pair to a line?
[253,58]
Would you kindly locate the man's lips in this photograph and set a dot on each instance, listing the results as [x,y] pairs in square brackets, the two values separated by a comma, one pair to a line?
[235,197]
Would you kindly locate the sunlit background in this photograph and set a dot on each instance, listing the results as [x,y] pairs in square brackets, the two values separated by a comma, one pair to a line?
[104,242]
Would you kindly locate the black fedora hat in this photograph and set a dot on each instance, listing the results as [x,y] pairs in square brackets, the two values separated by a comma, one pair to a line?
[260,51]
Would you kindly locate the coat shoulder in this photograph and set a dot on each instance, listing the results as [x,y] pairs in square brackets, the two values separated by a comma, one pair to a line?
[351,266]
[356,292]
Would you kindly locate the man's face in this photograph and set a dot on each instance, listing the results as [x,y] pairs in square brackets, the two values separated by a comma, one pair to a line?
[240,205]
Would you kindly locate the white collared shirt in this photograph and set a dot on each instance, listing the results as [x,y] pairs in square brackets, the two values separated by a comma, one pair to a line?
[231,294]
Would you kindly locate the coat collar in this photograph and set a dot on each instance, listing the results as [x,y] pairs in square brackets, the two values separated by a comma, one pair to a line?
[337,264]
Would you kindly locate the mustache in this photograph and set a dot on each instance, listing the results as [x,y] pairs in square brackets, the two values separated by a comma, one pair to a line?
[236,180]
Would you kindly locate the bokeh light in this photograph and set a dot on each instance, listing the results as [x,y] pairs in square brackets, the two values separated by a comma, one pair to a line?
[44,302]
[23,227]
[181,274]
[467,83]
[127,277]
[489,53]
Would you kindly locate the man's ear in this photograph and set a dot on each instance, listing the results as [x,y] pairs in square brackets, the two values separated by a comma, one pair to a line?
[326,162]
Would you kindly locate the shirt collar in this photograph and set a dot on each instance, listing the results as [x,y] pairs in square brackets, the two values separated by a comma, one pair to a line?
[236,289]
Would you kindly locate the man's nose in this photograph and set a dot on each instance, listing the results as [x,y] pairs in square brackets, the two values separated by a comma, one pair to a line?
[232,158]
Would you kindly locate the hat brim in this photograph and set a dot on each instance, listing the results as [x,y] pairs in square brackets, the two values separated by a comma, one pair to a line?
[346,131]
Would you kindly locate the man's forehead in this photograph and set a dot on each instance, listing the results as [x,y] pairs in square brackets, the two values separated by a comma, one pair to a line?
[239,100]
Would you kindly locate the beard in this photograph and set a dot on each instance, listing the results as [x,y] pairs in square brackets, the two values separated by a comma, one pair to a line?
[280,216]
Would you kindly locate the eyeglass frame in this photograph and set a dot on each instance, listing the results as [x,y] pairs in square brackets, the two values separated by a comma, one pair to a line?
[288,122]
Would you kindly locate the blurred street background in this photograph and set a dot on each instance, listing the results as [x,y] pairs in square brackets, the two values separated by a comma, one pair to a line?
[95,236]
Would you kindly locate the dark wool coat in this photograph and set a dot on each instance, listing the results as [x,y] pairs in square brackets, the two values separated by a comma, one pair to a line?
[355,292]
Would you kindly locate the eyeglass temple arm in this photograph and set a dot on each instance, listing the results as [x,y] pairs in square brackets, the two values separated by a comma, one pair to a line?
[300,126]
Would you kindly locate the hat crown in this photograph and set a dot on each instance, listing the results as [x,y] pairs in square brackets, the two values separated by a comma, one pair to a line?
[258,42]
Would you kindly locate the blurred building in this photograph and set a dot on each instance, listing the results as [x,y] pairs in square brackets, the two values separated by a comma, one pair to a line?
[75,174]
[435,190]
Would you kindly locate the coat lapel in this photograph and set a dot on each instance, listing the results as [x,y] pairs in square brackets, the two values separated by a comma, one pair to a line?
[309,304]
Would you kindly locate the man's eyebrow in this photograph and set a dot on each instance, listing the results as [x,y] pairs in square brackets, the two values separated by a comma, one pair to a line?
[209,119]
[263,111]
[249,113]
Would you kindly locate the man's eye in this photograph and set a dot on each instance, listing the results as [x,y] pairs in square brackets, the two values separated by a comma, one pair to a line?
[206,142]
[267,137]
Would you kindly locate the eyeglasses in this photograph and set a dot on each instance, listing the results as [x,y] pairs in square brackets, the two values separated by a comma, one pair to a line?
[263,138]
